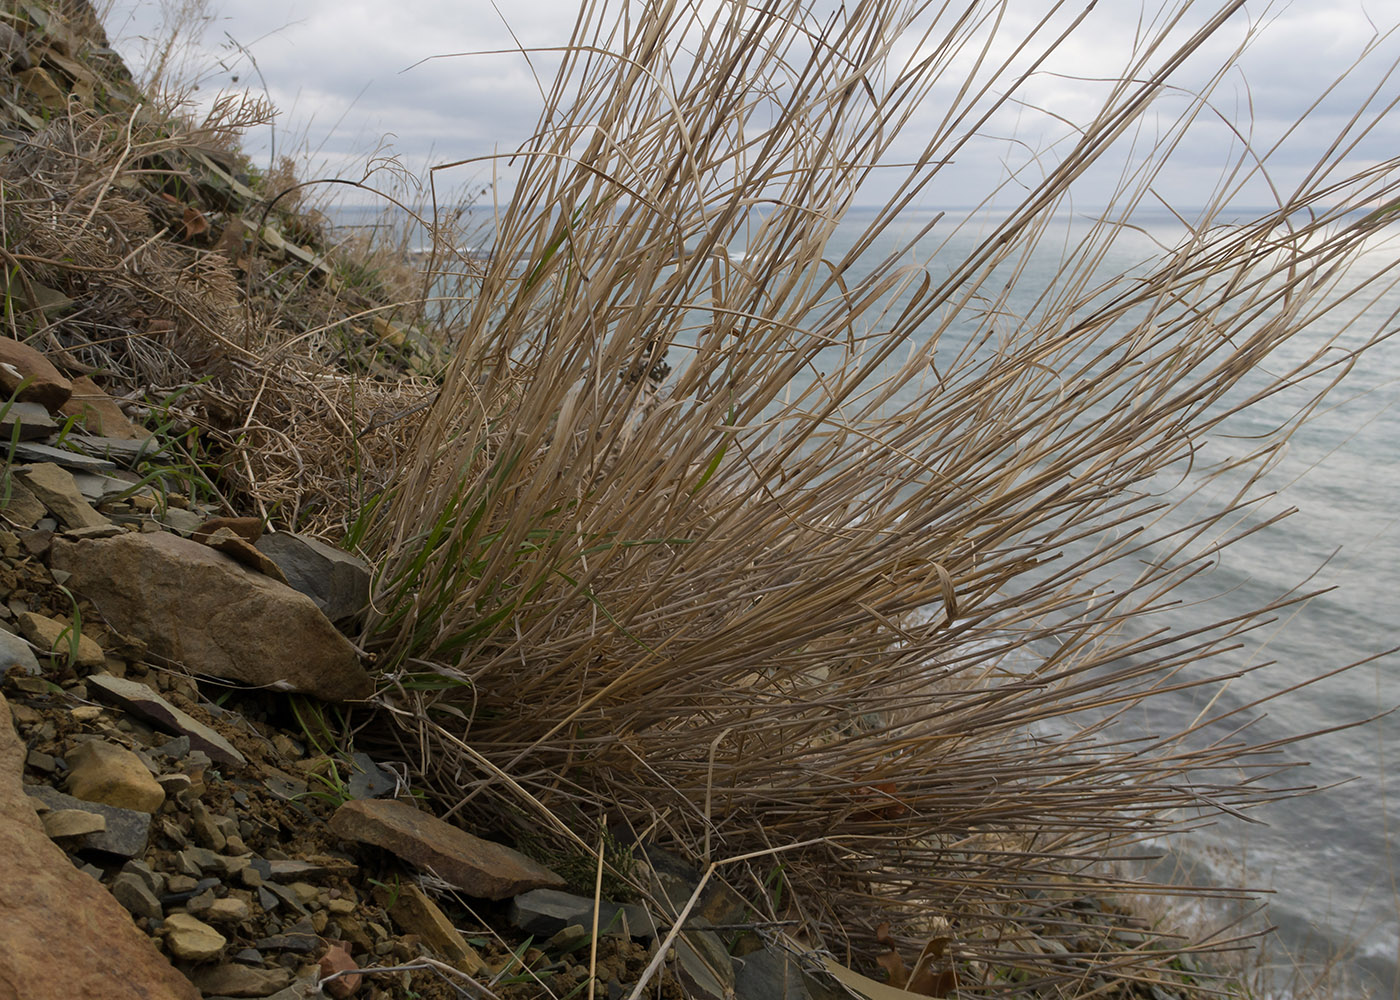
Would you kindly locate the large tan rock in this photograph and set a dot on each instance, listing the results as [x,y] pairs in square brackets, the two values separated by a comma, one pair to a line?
[55,489]
[114,776]
[64,935]
[191,939]
[416,913]
[99,412]
[477,867]
[52,635]
[19,362]
[192,604]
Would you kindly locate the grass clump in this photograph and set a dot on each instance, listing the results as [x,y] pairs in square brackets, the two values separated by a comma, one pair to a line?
[777,621]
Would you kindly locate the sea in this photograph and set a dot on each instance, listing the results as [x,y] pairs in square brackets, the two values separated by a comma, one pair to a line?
[1323,866]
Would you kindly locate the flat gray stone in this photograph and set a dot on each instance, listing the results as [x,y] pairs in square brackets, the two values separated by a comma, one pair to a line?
[769,975]
[369,780]
[14,651]
[186,522]
[98,488]
[136,896]
[127,830]
[336,580]
[545,912]
[29,452]
[141,701]
[125,451]
[32,419]
[702,977]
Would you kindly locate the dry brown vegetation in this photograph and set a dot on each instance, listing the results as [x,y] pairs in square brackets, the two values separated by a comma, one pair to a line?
[818,637]
[786,629]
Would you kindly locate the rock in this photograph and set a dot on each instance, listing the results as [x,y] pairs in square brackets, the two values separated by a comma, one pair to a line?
[104,772]
[141,701]
[29,451]
[369,780]
[132,892]
[703,962]
[15,652]
[126,452]
[73,823]
[20,361]
[300,990]
[184,888]
[191,939]
[201,859]
[176,749]
[302,942]
[229,910]
[31,419]
[204,829]
[55,489]
[249,529]
[337,962]
[183,521]
[41,85]
[99,412]
[152,880]
[64,934]
[12,48]
[568,939]
[240,980]
[281,894]
[193,605]
[416,913]
[337,581]
[309,868]
[477,867]
[57,637]
[127,830]
[674,881]
[543,912]
[96,531]
[230,544]
[769,975]
[98,487]
[22,508]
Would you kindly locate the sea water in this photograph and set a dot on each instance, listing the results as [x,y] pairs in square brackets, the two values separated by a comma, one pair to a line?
[1325,864]
[1325,861]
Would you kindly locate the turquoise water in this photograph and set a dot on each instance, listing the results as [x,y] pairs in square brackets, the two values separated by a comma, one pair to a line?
[1326,859]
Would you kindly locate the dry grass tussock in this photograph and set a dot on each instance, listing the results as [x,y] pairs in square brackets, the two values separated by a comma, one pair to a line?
[790,625]
[263,367]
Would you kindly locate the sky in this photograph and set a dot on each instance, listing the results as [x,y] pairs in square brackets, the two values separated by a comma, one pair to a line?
[351,83]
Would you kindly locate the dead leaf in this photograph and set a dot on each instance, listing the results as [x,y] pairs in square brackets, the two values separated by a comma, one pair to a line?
[195,222]
[864,985]
[894,968]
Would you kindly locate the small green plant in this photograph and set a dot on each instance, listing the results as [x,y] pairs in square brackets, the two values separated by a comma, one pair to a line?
[392,888]
[72,635]
[334,748]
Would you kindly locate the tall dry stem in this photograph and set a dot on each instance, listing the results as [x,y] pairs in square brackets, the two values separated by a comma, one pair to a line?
[877,563]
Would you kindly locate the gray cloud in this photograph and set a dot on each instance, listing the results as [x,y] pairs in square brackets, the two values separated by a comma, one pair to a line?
[348,74]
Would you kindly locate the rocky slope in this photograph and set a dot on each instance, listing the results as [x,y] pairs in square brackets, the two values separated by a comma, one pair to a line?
[178,846]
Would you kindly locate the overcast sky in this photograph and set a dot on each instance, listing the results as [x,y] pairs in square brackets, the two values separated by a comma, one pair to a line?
[348,78]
